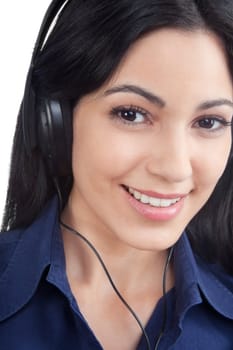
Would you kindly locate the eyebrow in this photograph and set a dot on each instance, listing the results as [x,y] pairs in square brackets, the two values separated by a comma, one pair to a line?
[151,97]
[215,103]
[138,91]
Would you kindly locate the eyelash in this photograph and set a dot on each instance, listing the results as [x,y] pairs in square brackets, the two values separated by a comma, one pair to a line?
[118,112]
[223,123]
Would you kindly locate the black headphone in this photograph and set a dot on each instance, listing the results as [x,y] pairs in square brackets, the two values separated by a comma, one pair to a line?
[47,123]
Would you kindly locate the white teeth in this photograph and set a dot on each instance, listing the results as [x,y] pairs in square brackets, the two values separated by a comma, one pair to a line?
[144,199]
[155,202]
[166,202]
[137,194]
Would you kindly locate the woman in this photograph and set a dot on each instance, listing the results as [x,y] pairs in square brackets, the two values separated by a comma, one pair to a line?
[120,196]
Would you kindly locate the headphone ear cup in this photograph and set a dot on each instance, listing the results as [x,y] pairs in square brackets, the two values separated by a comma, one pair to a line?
[55,135]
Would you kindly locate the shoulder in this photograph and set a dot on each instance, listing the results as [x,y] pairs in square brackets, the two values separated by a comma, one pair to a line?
[24,255]
[204,302]
[199,282]
[8,243]
[217,272]
[217,287]
[23,238]
[19,244]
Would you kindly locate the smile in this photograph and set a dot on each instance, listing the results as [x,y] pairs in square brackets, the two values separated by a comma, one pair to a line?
[153,201]
[153,205]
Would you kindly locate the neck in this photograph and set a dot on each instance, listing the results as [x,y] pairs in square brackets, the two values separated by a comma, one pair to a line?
[126,265]
[137,275]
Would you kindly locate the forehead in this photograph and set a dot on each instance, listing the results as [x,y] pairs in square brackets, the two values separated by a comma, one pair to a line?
[169,58]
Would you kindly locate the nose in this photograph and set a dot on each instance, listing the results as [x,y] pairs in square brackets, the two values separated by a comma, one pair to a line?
[171,158]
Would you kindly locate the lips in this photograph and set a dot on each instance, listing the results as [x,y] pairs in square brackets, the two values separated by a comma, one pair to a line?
[153,198]
[155,201]
[154,206]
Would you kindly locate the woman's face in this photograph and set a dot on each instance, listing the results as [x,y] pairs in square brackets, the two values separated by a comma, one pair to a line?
[151,144]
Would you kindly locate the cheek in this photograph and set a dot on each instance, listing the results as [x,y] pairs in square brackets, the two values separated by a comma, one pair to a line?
[106,152]
[211,164]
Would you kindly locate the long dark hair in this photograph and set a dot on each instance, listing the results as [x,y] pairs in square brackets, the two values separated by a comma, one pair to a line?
[85,47]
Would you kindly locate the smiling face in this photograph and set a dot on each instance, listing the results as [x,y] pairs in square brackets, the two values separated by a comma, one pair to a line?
[151,144]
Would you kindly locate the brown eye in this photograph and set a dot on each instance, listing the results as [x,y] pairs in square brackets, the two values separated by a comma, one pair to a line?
[130,115]
[207,123]
[212,123]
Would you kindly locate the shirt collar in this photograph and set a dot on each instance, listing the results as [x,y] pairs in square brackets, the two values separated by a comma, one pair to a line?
[31,256]
[197,282]
[57,272]
[186,279]
[217,288]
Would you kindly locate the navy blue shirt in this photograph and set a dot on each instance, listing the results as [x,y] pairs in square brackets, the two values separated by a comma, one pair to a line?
[39,312]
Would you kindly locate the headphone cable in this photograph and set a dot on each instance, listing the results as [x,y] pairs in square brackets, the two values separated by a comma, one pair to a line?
[91,246]
[110,280]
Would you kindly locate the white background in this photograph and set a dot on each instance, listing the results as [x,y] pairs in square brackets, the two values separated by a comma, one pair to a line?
[19,25]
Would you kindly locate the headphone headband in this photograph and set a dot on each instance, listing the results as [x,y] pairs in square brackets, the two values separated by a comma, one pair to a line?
[49,17]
